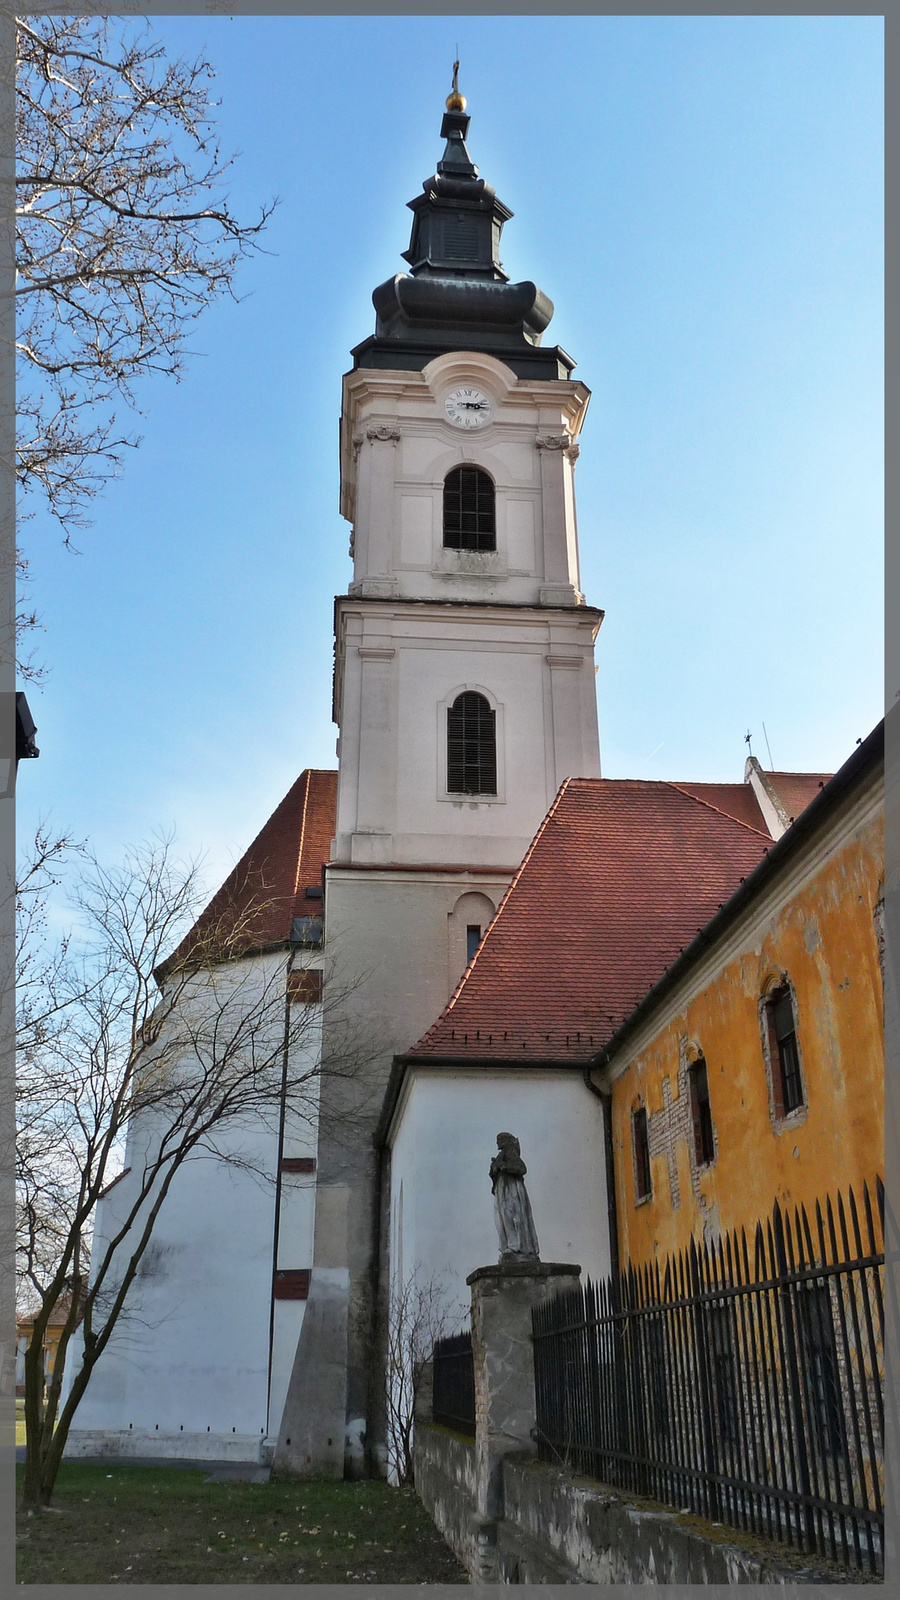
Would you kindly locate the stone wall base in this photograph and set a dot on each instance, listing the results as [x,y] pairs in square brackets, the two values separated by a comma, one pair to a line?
[556,1528]
[124,1445]
[445,1471]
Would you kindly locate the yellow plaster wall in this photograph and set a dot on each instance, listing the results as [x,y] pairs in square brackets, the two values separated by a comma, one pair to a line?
[826,940]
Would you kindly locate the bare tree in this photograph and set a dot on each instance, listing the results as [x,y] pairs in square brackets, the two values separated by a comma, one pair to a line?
[185,1057]
[419,1313]
[27,621]
[123,236]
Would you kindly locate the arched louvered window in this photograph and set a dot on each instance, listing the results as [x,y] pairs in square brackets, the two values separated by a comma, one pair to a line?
[469,510]
[471,745]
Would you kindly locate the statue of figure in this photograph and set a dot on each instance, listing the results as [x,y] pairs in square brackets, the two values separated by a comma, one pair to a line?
[512,1208]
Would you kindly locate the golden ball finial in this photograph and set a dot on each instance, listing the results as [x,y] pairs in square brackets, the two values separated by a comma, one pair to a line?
[455,101]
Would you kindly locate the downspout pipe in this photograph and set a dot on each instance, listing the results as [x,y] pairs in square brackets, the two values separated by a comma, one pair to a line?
[605,1098]
[282,1116]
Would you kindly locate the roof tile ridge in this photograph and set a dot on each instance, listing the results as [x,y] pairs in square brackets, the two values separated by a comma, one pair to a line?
[491,927]
[757,832]
[779,772]
[308,775]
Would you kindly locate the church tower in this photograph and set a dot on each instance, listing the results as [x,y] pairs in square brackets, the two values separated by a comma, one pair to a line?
[464,695]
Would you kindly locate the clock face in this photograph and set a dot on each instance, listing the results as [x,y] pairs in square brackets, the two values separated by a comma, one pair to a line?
[467,408]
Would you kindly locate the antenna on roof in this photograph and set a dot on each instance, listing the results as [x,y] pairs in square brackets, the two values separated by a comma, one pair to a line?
[766,737]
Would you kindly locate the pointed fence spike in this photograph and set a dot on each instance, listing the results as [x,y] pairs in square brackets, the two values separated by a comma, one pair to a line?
[870,1220]
[854,1217]
[842,1217]
[832,1233]
[807,1234]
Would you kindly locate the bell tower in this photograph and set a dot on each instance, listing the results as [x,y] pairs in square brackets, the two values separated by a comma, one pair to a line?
[459,437]
[464,695]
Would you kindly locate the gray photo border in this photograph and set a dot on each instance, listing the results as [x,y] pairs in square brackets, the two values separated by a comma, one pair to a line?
[7,834]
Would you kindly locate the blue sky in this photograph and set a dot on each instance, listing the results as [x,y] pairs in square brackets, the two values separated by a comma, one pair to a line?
[701,199]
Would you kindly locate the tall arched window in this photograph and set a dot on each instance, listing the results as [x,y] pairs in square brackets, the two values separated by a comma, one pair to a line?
[780,1036]
[471,745]
[701,1114]
[469,507]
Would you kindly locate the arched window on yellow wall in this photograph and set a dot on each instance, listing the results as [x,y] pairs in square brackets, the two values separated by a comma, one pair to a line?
[640,1141]
[782,1050]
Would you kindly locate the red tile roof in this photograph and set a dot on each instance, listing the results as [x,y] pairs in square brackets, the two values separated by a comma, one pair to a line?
[262,895]
[735,799]
[796,789]
[619,878]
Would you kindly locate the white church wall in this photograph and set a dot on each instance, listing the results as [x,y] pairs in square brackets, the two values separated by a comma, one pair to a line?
[190,1353]
[301,1123]
[187,1368]
[442,1143]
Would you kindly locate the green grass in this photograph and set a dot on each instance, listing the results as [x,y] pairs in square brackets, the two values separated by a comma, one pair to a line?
[20,1422]
[126,1524]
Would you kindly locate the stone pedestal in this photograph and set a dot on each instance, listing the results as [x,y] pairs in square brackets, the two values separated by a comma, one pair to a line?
[502,1301]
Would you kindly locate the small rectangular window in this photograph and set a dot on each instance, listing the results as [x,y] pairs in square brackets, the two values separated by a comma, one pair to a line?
[704,1144]
[473,940]
[641,1153]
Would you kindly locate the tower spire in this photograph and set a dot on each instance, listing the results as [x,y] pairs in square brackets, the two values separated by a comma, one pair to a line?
[455,101]
[456,161]
[457,295]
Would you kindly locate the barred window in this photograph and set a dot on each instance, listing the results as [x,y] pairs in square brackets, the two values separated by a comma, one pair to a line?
[820,1368]
[725,1378]
[471,745]
[469,504]
[787,1085]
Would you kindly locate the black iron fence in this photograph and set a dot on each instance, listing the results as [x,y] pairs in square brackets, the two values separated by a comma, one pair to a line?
[453,1401]
[745,1385]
